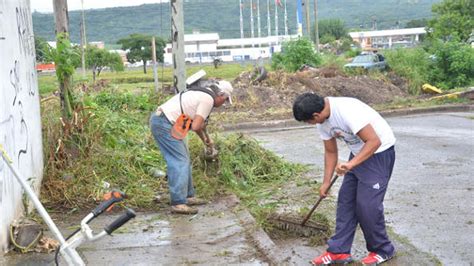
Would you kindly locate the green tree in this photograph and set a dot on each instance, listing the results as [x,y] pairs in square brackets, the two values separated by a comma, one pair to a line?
[139,48]
[97,59]
[294,54]
[64,57]
[454,20]
[43,50]
[453,64]
[331,27]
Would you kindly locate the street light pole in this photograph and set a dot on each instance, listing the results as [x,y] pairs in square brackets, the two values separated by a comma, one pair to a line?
[83,42]
[316,26]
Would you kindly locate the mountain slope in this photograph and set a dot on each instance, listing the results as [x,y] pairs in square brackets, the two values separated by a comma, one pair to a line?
[222,16]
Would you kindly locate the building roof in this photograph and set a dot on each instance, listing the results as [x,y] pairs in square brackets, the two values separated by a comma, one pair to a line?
[384,33]
[201,37]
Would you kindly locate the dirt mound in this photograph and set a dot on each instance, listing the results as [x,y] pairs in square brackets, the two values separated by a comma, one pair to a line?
[280,88]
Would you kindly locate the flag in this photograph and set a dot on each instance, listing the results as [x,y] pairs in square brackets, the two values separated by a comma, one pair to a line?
[278,3]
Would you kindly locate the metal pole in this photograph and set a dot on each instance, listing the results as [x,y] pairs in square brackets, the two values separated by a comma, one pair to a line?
[286,19]
[83,41]
[252,33]
[241,21]
[316,26]
[155,67]
[269,24]
[276,20]
[258,23]
[269,21]
[177,33]
[83,52]
[308,19]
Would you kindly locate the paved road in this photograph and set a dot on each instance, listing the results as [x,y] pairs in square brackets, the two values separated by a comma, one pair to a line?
[430,200]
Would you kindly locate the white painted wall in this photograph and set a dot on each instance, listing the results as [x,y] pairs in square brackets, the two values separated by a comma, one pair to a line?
[20,121]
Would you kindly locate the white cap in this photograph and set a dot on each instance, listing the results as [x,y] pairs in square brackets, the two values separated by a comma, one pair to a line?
[226,88]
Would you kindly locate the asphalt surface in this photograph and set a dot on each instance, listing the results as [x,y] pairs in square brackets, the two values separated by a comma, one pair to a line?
[430,200]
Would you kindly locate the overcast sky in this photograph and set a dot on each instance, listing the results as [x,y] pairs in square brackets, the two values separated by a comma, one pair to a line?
[47,5]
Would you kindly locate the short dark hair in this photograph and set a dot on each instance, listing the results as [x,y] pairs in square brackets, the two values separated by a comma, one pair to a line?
[306,105]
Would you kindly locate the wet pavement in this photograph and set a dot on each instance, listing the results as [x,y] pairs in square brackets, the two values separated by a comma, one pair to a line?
[215,236]
[430,200]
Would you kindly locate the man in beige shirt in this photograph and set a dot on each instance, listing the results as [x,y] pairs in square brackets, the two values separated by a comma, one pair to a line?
[197,104]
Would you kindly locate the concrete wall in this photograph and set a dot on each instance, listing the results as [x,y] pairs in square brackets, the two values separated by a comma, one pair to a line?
[20,124]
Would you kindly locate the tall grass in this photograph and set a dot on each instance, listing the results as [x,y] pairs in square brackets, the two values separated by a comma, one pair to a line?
[412,64]
[110,144]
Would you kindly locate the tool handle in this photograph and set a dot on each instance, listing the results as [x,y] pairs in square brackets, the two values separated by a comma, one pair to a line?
[115,196]
[129,214]
[319,201]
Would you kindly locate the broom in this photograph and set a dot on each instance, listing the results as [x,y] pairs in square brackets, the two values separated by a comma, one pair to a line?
[293,223]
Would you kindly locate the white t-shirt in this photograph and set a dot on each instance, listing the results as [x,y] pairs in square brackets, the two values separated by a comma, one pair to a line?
[193,102]
[348,116]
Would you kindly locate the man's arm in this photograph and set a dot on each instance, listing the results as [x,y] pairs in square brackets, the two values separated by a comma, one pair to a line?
[371,144]
[201,131]
[330,161]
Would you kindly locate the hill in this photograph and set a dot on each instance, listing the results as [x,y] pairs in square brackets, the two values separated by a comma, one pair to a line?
[111,24]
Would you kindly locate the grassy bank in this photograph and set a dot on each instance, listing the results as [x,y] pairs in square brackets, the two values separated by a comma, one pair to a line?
[109,145]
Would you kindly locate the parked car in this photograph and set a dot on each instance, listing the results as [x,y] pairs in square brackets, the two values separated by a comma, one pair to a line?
[368,62]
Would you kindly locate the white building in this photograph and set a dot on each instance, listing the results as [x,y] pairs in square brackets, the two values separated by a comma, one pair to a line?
[204,47]
[388,38]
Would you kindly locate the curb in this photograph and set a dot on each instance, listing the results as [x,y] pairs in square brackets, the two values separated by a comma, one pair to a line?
[262,241]
[287,124]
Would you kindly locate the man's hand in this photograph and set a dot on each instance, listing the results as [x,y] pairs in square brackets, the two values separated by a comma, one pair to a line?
[209,143]
[323,190]
[343,168]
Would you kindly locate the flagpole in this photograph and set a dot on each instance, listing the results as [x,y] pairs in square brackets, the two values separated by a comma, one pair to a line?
[276,20]
[241,22]
[286,20]
[252,34]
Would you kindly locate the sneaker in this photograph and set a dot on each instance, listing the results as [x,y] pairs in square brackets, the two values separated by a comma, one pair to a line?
[183,209]
[374,259]
[196,201]
[332,258]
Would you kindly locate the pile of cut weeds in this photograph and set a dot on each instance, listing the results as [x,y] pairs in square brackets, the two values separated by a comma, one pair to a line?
[273,97]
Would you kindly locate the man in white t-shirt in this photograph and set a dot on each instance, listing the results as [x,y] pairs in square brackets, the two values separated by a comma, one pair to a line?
[366,173]
[197,105]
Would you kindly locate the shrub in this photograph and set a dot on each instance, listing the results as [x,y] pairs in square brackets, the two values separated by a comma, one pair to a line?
[412,64]
[295,54]
[453,65]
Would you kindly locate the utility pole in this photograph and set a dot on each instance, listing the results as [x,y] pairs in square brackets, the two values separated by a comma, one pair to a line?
[61,18]
[316,26]
[286,20]
[83,51]
[308,19]
[269,24]
[276,20]
[83,41]
[155,66]
[177,36]
[252,33]
[241,21]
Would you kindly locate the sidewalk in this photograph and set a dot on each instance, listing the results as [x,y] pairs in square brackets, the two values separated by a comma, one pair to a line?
[221,234]
[215,236]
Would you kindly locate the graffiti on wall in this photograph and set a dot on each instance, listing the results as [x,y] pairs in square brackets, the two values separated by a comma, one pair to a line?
[20,126]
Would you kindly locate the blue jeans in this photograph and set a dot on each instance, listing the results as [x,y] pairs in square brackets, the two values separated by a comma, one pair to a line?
[178,162]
